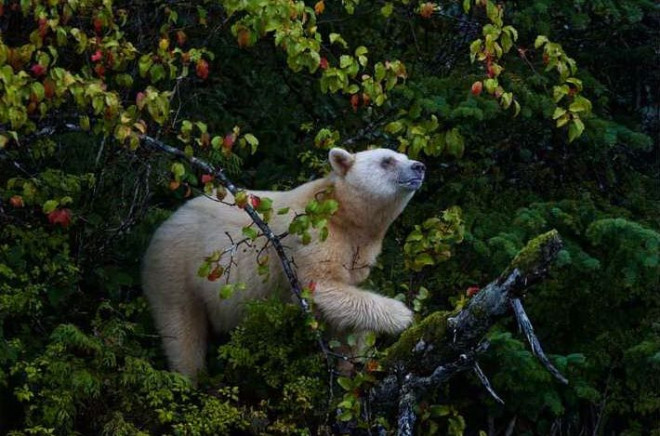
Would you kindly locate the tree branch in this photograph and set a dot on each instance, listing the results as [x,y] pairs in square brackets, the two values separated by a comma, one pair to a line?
[441,345]
[526,326]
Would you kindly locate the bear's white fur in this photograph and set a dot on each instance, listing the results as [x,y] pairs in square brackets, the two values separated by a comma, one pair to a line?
[372,188]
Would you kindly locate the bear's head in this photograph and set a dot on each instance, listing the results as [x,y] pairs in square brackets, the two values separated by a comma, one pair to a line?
[378,174]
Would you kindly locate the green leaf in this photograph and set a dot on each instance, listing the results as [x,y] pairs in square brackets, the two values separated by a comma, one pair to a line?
[386,10]
[50,206]
[575,129]
[455,143]
[216,142]
[563,119]
[422,260]
[559,111]
[38,90]
[346,383]
[506,99]
[540,41]
[345,415]
[490,85]
[156,73]
[346,61]
[558,92]
[250,233]
[475,47]
[580,104]
[178,170]
[226,291]
[204,270]
[576,82]
[370,339]
[144,64]
[253,141]
[440,410]
[511,31]
[336,38]
[516,106]
[394,127]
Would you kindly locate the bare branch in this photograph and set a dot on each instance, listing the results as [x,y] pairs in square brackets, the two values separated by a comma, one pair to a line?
[484,380]
[526,327]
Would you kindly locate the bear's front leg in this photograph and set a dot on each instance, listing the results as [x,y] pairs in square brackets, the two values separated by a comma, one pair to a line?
[346,307]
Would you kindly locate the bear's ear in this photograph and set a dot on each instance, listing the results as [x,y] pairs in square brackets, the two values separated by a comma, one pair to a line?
[340,160]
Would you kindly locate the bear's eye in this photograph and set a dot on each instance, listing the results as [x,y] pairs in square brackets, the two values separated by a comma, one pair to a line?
[387,162]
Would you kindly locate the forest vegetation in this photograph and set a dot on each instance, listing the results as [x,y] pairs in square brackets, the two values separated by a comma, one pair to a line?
[529,116]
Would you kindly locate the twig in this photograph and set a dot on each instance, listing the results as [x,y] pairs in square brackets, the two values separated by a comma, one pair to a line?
[486,383]
[512,426]
[526,326]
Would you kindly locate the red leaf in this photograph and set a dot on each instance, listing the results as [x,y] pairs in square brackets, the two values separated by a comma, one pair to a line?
[255,201]
[477,87]
[355,101]
[100,70]
[228,142]
[98,25]
[365,99]
[243,37]
[426,10]
[16,201]
[214,275]
[181,37]
[38,70]
[202,69]
[207,178]
[323,64]
[139,100]
[49,88]
[472,290]
[43,27]
[319,7]
[97,56]
[60,216]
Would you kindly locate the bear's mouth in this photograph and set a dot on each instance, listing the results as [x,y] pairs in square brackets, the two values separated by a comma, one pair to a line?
[412,183]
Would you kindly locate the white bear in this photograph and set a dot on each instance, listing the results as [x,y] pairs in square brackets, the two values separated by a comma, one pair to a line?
[371,187]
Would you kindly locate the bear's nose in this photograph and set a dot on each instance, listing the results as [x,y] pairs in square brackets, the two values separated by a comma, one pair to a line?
[418,167]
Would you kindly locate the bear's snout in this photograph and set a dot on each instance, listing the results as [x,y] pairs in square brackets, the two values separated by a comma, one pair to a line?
[418,168]
[412,176]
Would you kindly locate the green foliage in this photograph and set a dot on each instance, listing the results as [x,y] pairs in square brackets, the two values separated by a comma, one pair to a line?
[316,216]
[263,89]
[274,358]
[430,243]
